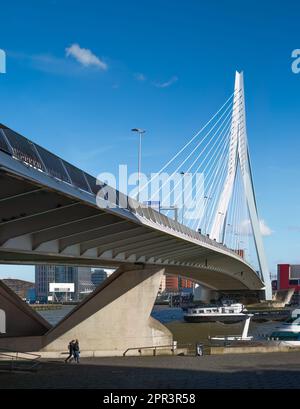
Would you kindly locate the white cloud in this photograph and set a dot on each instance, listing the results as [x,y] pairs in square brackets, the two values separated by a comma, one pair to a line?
[85,57]
[265,230]
[140,77]
[167,83]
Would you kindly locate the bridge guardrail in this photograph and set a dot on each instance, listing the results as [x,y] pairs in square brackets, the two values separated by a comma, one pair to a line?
[16,360]
[154,348]
[32,154]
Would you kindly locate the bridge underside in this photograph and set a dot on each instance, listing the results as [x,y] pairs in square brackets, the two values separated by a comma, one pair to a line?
[45,220]
[41,224]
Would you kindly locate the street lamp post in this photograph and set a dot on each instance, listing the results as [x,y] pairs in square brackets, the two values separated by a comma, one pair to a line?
[140,132]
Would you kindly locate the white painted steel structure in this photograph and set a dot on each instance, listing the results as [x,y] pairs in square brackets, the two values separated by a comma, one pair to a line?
[239,156]
[49,214]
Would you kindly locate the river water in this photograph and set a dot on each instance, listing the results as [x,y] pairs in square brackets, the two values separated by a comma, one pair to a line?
[184,333]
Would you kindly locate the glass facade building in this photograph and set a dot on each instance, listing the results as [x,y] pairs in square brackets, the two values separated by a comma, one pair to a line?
[46,274]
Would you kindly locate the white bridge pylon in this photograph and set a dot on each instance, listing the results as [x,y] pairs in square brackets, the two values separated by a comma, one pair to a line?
[239,156]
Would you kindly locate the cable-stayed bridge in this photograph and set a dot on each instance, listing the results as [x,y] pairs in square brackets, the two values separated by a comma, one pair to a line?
[53,212]
[49,211]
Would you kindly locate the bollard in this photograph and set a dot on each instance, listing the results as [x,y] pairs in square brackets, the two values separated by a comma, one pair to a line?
[199,349]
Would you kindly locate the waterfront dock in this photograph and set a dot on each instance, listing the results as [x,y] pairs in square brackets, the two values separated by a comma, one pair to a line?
[278,370]
[45,307]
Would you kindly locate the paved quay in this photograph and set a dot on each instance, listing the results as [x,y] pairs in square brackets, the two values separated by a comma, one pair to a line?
[274,370]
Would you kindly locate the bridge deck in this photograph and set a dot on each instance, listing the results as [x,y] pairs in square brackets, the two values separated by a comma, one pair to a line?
[49,213]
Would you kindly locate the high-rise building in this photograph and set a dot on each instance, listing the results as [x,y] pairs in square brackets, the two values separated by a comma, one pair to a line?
[176,283]
[98,276]
[172,283]
[185,283]
[46,274]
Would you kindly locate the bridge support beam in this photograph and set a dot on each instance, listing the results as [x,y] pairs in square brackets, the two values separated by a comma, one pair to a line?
[116,317]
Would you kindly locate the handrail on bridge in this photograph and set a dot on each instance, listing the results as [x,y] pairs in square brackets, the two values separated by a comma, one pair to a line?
[35,156]
[191,347]
[19,357]
[154,347]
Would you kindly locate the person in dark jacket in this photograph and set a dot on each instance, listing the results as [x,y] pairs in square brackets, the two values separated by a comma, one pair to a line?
[76,351]
[71,351]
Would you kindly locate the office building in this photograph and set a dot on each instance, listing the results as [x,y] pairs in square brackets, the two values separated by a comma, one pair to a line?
[98,276]
[79,276]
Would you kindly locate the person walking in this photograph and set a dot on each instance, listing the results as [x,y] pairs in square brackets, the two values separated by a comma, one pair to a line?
[76,351]
[71,351]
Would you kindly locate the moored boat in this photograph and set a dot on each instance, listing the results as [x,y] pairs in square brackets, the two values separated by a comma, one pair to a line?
[288,333]
[228,314]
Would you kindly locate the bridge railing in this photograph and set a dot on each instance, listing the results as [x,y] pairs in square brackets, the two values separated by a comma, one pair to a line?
[18,361]
[32,154]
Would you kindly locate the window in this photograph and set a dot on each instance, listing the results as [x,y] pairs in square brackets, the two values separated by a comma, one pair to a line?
[293,282]
[2,322]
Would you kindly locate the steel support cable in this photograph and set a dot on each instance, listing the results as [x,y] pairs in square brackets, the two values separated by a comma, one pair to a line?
[234,212]
[220,164]
[212,186]
[213,170]
[186,159]
[212,161]
[198,157]
[211,182]
[174,157]
[235,120]
[215,201]
[212,196]
[190,141]
[208,180]
[217,180]
[218,184]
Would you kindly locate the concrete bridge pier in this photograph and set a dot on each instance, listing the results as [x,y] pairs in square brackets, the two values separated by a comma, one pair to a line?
[115,317]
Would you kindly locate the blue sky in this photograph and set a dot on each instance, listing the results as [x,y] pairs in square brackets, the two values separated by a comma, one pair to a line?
[165,66]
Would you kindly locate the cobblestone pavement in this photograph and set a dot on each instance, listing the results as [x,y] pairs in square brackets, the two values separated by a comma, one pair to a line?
[273,370]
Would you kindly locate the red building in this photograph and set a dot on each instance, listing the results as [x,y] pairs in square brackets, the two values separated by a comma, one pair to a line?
[288,276]
[172,283]
[185,283]
[176,283]
[240,252]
